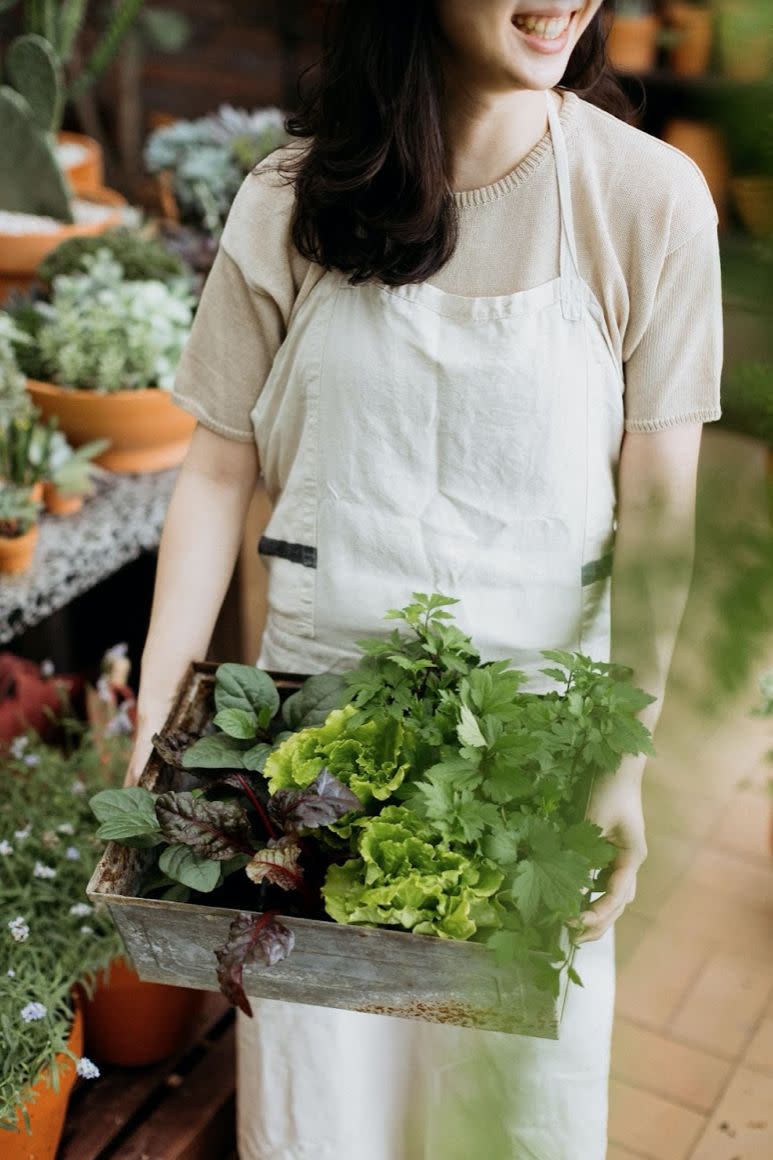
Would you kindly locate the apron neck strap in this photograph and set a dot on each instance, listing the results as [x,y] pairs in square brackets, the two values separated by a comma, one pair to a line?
[571,282]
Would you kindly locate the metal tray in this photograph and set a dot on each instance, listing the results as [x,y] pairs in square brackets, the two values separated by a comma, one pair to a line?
[368,969]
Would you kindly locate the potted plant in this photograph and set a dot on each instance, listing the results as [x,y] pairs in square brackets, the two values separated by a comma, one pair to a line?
[632,41]
[18,528]
[103,359]
[745,38]
[143,257]
[690,27]
[52,938]
[704,142]
[37,209]
[200,164]
[69,474]
[422,792]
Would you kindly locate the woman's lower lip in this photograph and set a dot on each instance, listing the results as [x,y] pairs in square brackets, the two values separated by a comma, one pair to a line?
[540,44]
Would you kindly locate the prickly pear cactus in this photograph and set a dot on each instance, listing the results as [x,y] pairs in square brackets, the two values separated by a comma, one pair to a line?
[35,71]
[30,178]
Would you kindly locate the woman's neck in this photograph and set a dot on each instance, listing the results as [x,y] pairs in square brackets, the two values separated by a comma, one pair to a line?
[488,137]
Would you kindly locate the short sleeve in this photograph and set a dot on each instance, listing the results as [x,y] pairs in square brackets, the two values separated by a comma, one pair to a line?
[242,315]
[673,373]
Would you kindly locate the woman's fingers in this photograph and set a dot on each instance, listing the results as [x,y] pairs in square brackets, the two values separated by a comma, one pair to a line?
[621,890]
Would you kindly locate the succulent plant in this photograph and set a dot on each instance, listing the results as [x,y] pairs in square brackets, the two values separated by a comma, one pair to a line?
[71,469]
[143,259]
[18,511]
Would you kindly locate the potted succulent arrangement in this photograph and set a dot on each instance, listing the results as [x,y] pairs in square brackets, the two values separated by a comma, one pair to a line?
[689,25]
[37,206]
[69,474]
[102,359]
[632,42]
[52,937]
[18,528]
[368,827]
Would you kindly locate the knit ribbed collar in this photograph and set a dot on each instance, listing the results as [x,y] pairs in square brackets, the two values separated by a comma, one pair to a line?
[525,167]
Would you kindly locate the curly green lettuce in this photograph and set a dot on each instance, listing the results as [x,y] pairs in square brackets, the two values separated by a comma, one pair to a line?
[366,758]
[407,876]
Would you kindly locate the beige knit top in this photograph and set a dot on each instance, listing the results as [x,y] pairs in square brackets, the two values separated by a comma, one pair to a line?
[647,244]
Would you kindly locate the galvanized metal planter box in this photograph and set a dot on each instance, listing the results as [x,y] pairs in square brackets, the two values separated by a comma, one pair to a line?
[331,965]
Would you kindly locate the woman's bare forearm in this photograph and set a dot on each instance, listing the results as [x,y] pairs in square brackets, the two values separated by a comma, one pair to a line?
[199,545]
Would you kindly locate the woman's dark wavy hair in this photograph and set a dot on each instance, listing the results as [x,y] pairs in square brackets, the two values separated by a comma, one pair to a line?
[372,196]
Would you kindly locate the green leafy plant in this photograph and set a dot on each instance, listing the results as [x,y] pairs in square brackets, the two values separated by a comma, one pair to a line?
[143,259]
[18,511]
[71,469]
[423,791]
[14,399]
[103,332]
[209,158]
[51,936]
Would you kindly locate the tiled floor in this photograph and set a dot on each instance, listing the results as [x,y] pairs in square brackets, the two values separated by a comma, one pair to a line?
[692,1061]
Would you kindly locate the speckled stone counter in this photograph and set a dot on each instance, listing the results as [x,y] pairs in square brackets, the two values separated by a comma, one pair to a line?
[124,517]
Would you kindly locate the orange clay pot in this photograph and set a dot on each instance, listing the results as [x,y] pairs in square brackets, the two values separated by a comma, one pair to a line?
[16,552]
[705,145]
[21,254]
[753,198]
[36,492]
[88,174]
[133,1024]
[691,55]
[148,431]
[47,1111]
[59,503]
[633,43]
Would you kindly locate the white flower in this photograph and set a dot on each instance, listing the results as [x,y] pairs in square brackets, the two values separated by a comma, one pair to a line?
[119,651]
[40,870]
[72,853]
[11,973]
[105,690]
[31,759]
[78,786]
[121,723]
[85,929]
[66,828]
[19,929]
[18,745]
[20,835]
[33,1011]
[86,1069]
[80,909]
[5,847]
[47,668]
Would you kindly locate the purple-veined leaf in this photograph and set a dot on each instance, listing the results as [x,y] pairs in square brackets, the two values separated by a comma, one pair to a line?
[251,938]
[277,863]
[213,829]
[320,804]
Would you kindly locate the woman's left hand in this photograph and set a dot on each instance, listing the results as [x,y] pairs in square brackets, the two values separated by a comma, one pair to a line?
[616,806]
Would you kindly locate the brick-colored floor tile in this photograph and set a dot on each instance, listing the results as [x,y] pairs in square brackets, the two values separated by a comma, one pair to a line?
[719,870]
[667,860]
[744,923]
[759,1053]
[741,1127]
[630,929]
[743,827]
[724,1005]
[673,805]
[665,1067]
[654,981]
[651,1125]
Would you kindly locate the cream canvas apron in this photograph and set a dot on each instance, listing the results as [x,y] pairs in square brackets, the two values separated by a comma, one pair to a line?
[417,440]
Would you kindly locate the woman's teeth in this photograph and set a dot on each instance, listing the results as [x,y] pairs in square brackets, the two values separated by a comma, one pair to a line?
[548,27]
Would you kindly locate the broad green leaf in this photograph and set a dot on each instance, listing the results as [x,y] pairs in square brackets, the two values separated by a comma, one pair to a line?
[125,813]
[469,731]
[182,864]
[239,723]
[311,705]
[245,687]
[217,751]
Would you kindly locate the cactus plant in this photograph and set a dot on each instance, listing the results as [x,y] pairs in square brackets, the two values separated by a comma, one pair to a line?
[30,178]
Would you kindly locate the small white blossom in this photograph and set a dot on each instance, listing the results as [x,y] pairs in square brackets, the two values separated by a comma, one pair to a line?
[31,759]
[86,1069]
[5,848]
[19,929]
[72,853]
[78,786]
[80,909]
[11,973]
[105,690]
[117,652]
[66,828]
[47,668]
[86,929]
[33,1011]
[21,835]
[121,723]
[18,745]
[40,870]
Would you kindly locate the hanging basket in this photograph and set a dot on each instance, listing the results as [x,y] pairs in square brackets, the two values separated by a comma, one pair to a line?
[367,969]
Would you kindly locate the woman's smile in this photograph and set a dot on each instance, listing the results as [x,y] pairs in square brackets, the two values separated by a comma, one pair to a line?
[547,30]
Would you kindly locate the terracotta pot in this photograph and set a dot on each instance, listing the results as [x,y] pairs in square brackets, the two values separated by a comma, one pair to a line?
[706,146]
[632,44]
[753,198]
[89,173]
[47,1111]
[59,503]
[691,55]
[21,254]
[16,552]
[744,41]
[133,1024]
[36,492]
[148,431]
